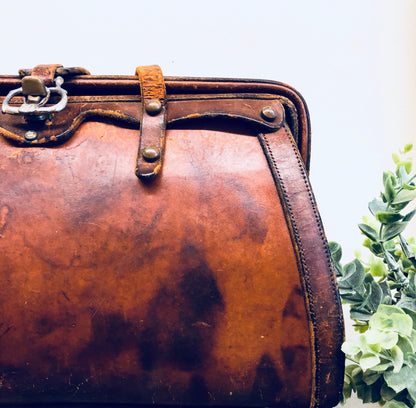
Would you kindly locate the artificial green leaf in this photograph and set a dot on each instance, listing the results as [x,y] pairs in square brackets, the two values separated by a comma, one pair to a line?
[412,359]
[396,158]
[400,206]
[409,186]
[389,191]
[404,196]
[375,348]
[410,215]
[366,295]
[408,165]
[381,367]
[338,269]
[405,378]
[408,147]
[390,246]
[392,230]
[411,313]
[400,323]
[346,392]
[406,248]
[407,263]
[411,387]
[386,176]
[411,289]
[350,349]
[395,380]
[403,175]
[378,269]
[349,269]
[354,273]
[398,358]
[386,339]
[369,232]
[336,251]
[364,393]
[370,377]
[397,404]
[360,315]
[344,287]
[390,310]
[377,206]
[368,360]
[356,372]
[360,326]
[347,293]
[387,393]
[405,345]
[388,217]
[391,261]
[407,302]
[387,298]
[376,295]
[375,248]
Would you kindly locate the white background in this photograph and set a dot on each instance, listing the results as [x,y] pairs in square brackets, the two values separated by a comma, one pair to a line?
[354,62]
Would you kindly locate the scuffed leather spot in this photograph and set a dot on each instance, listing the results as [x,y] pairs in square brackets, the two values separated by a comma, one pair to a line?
[45,325]
[198,391]
[4,215]
[294,306]
[267,384]
[110,335]
[292,354]
[182,317]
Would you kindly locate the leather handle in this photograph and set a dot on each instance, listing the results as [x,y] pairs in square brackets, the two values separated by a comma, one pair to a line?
[152,123]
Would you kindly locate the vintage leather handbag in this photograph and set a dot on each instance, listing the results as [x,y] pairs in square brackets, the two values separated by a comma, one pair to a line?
[160,244]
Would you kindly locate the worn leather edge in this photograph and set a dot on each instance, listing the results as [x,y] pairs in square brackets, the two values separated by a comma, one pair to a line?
[128,85]
[315,266]
[174,117]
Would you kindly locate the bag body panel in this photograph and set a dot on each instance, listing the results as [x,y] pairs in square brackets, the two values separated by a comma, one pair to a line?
[199,287]
[140,285]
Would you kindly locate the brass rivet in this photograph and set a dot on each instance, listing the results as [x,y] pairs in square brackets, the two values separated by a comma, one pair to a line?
[153,107]
[31,135]
[151,153]
[268,113]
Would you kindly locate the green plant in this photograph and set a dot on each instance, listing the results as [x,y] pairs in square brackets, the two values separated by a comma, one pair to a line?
[381,293]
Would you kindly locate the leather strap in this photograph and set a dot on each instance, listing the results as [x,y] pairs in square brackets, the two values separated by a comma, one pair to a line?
[152,123]
[46,73]
[317,273]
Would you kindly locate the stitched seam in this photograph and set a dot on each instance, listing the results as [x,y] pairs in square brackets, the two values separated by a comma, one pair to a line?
[317,385]
[319,379]
[317,219]
[305,277]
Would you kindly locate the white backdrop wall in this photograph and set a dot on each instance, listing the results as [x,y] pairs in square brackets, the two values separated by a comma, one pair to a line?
[354,61]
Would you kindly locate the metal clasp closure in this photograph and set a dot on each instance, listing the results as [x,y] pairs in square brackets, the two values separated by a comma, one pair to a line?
[35,97]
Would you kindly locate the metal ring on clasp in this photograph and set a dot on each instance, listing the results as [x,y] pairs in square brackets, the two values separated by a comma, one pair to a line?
[36,109]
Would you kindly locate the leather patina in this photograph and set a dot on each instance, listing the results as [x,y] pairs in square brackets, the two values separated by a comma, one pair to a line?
[210,284]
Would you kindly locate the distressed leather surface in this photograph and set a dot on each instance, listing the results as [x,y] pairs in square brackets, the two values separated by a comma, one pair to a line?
[210,285]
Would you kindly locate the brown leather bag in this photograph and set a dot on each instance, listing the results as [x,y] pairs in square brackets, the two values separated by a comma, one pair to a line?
[160,244]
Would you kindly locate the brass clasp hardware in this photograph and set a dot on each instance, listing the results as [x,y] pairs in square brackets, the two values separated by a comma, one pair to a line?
[35,97]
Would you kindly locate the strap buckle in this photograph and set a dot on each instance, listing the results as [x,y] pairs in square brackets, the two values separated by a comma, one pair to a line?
[35,97]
